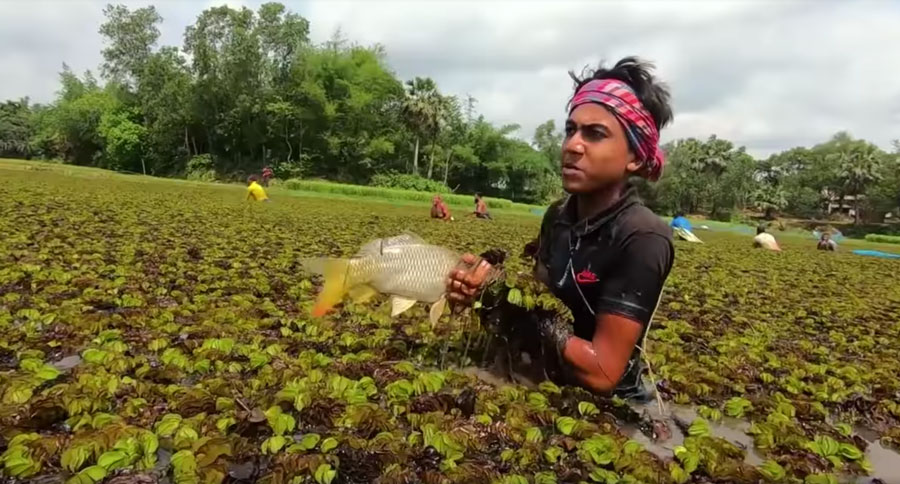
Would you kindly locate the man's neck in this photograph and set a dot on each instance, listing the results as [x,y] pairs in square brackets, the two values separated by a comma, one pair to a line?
[591,204]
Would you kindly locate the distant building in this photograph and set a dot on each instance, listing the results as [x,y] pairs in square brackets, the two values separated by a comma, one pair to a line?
[844,206]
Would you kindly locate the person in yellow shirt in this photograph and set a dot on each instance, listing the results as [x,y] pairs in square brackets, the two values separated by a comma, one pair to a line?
[255,190]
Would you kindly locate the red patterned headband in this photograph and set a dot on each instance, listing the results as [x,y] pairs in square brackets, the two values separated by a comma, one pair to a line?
[643,137]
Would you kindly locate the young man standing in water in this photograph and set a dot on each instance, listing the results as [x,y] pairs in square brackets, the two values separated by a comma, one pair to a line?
[601,251]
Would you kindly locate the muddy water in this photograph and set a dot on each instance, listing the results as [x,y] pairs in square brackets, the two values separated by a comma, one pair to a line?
[730,429]
[67,363]
[885,462]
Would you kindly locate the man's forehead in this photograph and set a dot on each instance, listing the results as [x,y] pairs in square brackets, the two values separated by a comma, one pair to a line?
[591,114]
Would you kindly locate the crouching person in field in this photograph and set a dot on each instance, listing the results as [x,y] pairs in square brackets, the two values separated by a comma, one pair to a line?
[255,191]
[439,209]
[826,242]
[481,210]
[765,240]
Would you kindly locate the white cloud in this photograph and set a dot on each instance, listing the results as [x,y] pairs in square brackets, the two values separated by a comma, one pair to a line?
[763,73]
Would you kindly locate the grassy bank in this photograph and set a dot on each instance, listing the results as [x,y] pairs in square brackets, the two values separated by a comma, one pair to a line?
[316,187]
[319,186]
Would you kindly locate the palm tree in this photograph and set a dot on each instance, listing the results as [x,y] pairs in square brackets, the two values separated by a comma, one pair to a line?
[860,167]
[442,108]
[420,109]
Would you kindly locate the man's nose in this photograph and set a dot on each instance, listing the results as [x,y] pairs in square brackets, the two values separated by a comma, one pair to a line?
[574,144]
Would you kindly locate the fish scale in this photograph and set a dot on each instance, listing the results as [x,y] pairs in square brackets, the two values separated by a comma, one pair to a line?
[404,267]
[413,271]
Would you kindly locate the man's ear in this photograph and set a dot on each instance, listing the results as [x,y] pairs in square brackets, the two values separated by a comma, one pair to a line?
[634,166]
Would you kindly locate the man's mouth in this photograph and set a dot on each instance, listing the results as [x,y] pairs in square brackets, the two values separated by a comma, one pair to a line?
[570,169]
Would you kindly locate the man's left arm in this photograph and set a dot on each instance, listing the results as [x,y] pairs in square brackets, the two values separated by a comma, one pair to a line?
[623,310]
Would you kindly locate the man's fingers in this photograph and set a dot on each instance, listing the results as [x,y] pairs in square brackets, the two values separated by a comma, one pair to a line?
[469,258]
[476,276]
[482,270]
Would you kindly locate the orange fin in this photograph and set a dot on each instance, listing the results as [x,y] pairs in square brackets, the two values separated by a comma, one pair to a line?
[335,273]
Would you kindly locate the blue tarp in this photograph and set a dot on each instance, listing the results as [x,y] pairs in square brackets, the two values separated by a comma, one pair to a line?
[876,253]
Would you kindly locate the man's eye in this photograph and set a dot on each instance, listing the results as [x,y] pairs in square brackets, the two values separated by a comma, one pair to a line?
[570,130]
[593,134]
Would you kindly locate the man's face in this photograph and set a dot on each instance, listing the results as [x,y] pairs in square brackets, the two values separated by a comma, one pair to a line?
[595,152]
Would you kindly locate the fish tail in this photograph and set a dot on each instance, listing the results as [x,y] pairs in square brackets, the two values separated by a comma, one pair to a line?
[335,273]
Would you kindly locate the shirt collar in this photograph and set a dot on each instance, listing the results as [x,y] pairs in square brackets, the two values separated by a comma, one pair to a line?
[568,213]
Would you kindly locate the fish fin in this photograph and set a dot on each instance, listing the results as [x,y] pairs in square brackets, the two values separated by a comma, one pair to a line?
[376,247]
[362,293]
[335,273]
[406,238]
[400,305]
[371,248]
[437,310]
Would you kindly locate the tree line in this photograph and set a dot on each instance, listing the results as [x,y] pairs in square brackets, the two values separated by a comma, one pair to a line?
[842,174]
[249,89]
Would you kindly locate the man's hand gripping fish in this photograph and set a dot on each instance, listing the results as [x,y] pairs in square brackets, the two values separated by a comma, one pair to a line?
[404,267]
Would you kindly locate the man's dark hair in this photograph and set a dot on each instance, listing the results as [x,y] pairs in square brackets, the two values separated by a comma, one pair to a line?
[679,214]
[652,93]
[252,178]
[760,229]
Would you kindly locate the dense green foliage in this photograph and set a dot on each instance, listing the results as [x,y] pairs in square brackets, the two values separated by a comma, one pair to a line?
[408,182]
[719,179]
[397,194]
[248,89]
[162,329]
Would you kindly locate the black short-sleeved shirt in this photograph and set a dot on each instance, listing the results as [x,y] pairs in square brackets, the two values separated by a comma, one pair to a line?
[615,262]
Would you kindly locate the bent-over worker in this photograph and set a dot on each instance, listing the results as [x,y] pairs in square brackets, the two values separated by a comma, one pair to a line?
[439,209]
[765,240]
[680,222]
[255,191]
[481,210]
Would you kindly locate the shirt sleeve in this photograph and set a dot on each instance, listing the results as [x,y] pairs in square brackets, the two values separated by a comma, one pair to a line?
[635,285]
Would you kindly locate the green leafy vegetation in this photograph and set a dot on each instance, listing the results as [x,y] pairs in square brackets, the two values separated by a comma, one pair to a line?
[884,239]
[162,329]
[318,186]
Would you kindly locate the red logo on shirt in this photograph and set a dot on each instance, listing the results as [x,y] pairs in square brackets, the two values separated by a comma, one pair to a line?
[585,277]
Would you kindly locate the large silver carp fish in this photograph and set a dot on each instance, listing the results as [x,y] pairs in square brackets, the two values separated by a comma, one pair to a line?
[404,266]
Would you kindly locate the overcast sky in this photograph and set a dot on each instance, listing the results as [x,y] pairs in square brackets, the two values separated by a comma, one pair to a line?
[769,75]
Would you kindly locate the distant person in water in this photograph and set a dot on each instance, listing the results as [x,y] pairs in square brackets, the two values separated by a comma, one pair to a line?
[267,175]
[765,240]
[255,191]
[681,227]
[826,242]
[439,209]
[481,210]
